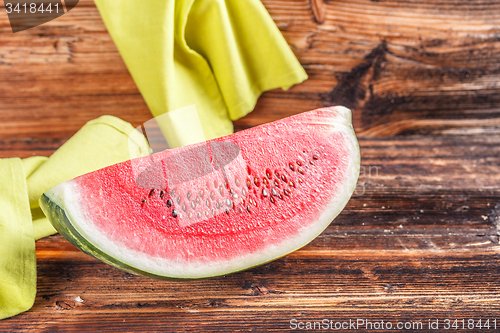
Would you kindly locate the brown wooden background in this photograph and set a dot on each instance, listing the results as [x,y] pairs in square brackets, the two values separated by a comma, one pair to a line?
[418,241]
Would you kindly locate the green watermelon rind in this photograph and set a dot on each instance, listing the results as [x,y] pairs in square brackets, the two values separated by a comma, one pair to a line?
[63,221]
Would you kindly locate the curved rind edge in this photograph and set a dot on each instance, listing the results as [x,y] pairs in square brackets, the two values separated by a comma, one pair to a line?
[62,223]
[61,220]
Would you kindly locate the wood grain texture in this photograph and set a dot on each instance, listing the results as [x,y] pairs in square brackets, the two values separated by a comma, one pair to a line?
[396,63]
[419,238]
[418,241]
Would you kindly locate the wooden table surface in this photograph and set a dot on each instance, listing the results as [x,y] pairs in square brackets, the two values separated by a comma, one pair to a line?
[417,242]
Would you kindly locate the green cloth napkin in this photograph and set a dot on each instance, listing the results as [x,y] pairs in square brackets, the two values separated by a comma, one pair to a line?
[17,242]
[217,54]
[101,142]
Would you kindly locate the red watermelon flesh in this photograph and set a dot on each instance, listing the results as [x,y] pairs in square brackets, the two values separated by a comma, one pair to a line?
[215,207]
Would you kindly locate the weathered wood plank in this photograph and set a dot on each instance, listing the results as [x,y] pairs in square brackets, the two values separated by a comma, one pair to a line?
[412,246]
[422,162]
[404,67]
[75,294]
[418,240]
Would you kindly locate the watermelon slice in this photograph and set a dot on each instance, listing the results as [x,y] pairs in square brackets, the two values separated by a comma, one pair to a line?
[215,207]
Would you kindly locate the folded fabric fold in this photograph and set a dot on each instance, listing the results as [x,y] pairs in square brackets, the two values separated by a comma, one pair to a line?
[17,243]
[217,54]
[101,142]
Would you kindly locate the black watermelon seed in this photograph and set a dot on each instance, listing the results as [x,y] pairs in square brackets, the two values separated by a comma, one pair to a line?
[188,195]
[277,174]
[151,192]
[174,213]
[264,192]
[283,178]
[286,191]
[169,203]
[217,204]
[299,163]
[291,167]
[143,201]
[162,194]
[248,209]
[276,183]
[300,171]
[272,199]
[273,191]
[280,196]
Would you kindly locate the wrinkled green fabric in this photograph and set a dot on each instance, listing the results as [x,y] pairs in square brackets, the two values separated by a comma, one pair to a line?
[219,55]
[101,142]
[17,242]
[216,55]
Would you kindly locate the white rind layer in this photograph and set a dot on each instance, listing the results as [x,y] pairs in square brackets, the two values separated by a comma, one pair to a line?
[66,197]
